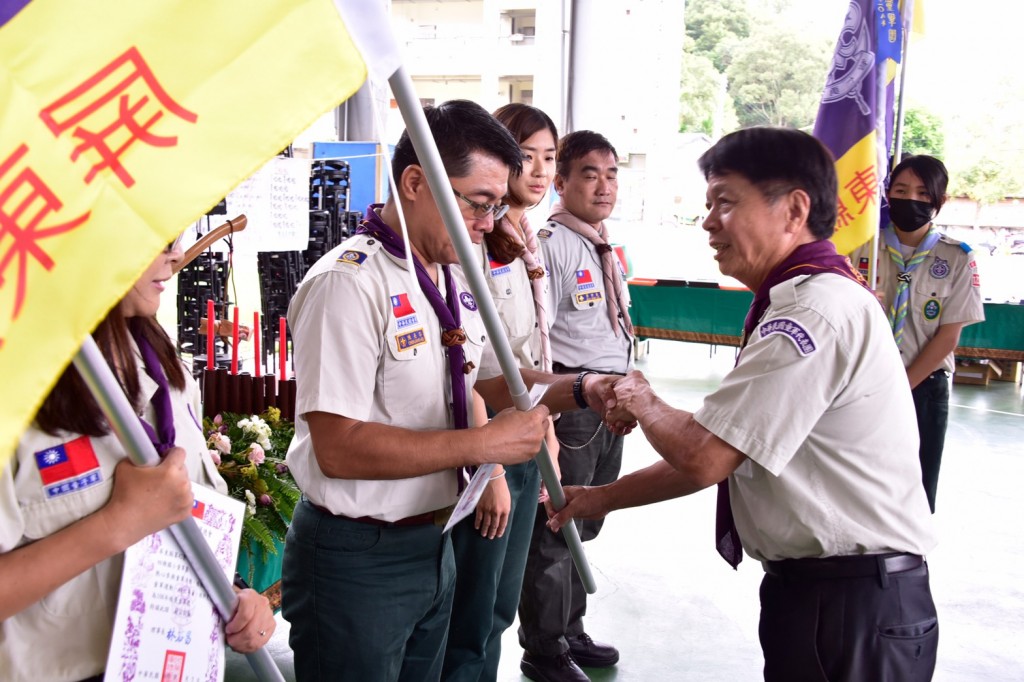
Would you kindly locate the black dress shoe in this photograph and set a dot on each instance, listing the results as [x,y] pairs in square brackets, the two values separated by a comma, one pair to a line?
[591,654]
[559,668]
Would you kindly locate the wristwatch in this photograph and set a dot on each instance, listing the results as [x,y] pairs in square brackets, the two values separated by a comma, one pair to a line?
[577,388]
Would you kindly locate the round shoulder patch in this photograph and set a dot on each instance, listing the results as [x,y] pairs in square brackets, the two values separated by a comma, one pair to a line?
[939,269]
[467,300]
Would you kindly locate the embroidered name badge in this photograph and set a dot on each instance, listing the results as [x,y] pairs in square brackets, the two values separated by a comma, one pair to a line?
[352,257]
[931,309]
[498,269]
[543,233]
[467,300]
[584,282]
[68,467]
[800,337]
[590,297]
[405,315]
[939,269]
[410,339]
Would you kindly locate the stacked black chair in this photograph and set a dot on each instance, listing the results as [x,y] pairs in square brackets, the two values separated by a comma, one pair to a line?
[203,279]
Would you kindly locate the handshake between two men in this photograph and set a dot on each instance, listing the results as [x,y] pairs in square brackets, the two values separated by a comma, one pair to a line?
[693,457]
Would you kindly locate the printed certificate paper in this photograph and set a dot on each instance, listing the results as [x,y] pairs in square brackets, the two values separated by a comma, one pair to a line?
[166,628]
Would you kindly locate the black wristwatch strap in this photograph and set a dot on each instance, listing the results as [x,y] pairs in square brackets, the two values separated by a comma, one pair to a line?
[577,388]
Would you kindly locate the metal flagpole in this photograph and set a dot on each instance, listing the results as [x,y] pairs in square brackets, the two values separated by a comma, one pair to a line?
[437,179]
[908,18]
[115,406]
[897,135]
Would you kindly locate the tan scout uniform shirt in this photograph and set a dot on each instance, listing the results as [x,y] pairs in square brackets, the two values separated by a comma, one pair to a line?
[581,335]
[512,292]
[368,347]
[944,289]
[820,405]
[66,635]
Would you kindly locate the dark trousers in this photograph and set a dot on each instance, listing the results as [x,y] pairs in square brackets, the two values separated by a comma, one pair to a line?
[879,628]
[366,602]
[553,601]
[489,577]
[931,400]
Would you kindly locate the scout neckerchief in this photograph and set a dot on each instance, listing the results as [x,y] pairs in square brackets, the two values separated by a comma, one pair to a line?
[807,259]
[163,435]
[898,308]
[531,256]
[446,309]
[617,308]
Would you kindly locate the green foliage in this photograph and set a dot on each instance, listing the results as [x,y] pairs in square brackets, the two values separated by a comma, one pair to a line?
[703,97]
[251,449]
[776,77]
[717,27]
[923,133]
[985,181]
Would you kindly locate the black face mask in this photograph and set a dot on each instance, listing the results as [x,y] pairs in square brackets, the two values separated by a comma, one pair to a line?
[909,215]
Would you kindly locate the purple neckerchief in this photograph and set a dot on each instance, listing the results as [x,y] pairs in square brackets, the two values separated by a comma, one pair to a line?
[163,435]
[807,259]
[447,311]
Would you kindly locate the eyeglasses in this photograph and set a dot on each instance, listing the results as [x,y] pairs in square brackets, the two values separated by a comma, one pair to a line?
[481,210]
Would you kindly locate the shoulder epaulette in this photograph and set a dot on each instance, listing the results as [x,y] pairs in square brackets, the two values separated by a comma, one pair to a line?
[548,229]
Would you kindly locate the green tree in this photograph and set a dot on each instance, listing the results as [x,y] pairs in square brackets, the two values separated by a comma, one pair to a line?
[717,27]
[923,133]
[986,162]
[986,181]
[705,106]
[776,78]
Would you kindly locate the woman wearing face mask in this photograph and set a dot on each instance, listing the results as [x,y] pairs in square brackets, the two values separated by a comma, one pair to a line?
[930,289]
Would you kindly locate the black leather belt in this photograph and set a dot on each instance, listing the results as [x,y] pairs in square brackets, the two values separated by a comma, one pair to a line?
[424,519]
[559,368]
[857,566]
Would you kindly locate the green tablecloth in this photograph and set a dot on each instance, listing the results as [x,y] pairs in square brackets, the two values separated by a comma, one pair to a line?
[682,311]
[265,575]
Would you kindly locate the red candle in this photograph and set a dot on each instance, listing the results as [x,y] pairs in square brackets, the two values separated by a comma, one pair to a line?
[234,342]
[257,360]
[211,327]
[283,348]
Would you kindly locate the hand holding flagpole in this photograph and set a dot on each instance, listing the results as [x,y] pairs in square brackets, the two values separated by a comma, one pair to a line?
[430,160]
[126,426]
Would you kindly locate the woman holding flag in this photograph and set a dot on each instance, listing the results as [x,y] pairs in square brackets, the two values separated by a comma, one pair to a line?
[71,503]
[928,284]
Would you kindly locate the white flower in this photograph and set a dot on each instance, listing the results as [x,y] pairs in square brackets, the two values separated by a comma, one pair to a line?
[265,443]
[220,442]
[250,507]
[254,425]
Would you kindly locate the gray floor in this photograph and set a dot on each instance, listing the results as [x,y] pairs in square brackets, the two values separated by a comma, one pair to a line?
[677,612]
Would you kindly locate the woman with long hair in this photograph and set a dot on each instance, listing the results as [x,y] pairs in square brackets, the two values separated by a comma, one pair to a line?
[491,546]
[61,545]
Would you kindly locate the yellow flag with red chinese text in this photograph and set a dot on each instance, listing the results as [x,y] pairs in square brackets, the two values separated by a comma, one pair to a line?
[122,122]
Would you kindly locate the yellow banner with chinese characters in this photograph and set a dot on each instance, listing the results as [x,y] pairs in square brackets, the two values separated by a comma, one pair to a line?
[121,123]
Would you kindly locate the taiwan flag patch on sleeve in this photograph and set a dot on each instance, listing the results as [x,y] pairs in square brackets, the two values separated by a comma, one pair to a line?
[68,467]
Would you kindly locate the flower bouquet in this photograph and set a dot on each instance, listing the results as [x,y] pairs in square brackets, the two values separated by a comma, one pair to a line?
[249,451]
